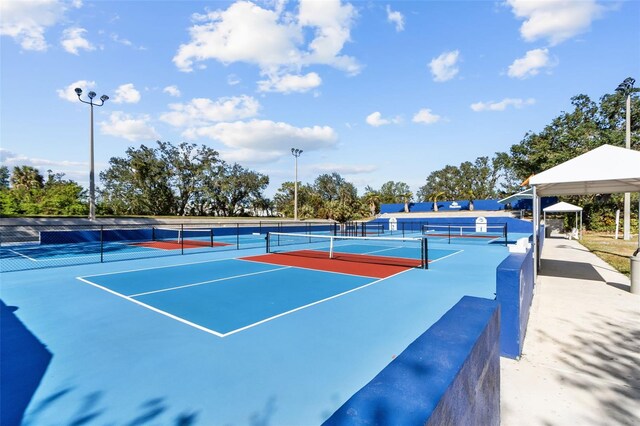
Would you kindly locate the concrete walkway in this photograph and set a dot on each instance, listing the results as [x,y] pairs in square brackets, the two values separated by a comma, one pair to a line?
[581,357]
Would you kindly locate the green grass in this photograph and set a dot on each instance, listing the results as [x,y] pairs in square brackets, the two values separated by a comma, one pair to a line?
[614,252]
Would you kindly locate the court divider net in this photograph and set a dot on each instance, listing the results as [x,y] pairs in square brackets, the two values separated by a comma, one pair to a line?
[399,251]
[191,236]
[460,232]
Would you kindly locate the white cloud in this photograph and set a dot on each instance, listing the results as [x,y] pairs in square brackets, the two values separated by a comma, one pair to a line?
[73,40]
[69,94]
[203,111]
[172,91]
[126,42]
[375,119]
[75,170]
[502,105]
[530,64]
[332,22]
[9,158]
[344,169]
[395,18]
[126,94]
[444,66]
[128,127]
[555,20]
[426,116]
[27,21]
[272,39]
[264,140]
[290,83]
[233,79]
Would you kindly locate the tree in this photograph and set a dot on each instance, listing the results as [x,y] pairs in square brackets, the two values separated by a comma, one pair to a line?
[63,197]
[327,186]
[235,189]
[27,178]
[187,165]
[138,184]
[393,192]
[4,177]
[372,198]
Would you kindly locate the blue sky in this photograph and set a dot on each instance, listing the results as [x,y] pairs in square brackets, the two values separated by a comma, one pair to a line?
[376,91]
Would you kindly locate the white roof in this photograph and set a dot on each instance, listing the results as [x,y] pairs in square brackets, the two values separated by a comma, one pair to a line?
[605,170]
[562,207]
[527,194]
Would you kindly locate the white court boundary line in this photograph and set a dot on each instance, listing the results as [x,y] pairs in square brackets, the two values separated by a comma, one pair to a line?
[23,255]
[444,257]
[160,311]
[158,267]
[218,334]
[208,282]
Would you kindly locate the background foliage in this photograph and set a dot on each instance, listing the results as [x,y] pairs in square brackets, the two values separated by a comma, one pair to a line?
[192,180]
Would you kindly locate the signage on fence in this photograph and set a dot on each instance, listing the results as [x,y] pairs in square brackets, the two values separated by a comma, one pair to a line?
[481,224]
[393,224]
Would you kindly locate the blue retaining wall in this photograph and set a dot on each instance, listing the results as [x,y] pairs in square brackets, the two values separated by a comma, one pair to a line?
[514,292]
[87,236]
[448,375]
[392,208]
[491,205]
[513,225]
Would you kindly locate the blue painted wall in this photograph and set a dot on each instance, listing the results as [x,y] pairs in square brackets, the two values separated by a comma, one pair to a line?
[514,292]
[491,205]
[513,225]
[448,375]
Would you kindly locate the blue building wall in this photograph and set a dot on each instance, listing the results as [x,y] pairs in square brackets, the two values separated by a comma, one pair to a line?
[448,375]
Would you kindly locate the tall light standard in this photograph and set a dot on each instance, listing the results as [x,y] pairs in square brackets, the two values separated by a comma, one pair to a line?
[92,185]
[626,88]
[296,153]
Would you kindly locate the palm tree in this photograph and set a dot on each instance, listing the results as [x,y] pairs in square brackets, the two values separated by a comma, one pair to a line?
[372,198]
[434,196]
[26,177]
[407,196]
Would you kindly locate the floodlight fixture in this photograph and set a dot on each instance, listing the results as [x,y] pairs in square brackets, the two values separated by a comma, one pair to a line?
[296,153]
[92,186]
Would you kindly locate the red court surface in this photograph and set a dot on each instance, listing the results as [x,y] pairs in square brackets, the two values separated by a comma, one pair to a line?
[346,263]
[174,245]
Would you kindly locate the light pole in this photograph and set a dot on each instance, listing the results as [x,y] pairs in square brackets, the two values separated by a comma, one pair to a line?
[626,88]
[296,153]
[92,184]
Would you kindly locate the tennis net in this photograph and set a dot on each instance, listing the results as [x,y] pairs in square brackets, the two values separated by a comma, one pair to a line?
[184,236]
[466,233]
[408,252]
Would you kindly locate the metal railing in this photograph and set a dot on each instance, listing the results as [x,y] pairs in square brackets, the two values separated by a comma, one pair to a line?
[26,246]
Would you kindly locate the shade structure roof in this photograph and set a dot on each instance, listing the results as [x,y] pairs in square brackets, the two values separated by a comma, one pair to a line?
[605,170]
[527,194]
[562,207]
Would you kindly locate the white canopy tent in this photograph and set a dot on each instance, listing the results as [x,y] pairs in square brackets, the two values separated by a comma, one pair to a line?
[605,170]
[563,207]
[527,194]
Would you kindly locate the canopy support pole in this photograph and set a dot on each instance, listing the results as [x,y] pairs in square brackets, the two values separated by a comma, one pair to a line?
[536,223]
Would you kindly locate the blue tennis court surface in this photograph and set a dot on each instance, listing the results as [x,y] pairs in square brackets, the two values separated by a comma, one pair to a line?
[211,339]
[227,296]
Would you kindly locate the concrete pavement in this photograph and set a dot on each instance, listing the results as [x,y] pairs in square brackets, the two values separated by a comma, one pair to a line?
[581,358]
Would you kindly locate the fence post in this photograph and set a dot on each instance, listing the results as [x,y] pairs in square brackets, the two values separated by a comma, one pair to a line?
[237,236]
[181,237]
[101,244]
[425,252]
